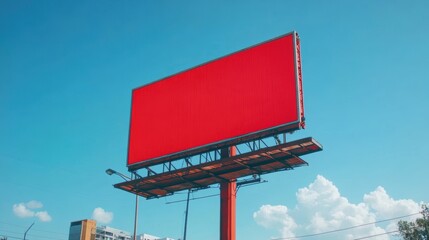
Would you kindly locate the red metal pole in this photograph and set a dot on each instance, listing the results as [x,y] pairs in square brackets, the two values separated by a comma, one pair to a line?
[228,192]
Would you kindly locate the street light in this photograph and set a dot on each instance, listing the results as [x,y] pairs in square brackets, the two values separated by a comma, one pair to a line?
[111,172]
[28,229]
[126,178]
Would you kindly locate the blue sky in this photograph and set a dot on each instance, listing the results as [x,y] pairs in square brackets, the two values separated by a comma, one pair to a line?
[66,74]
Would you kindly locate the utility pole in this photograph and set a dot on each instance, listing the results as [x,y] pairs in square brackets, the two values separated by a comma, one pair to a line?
[425,213]
[186,215]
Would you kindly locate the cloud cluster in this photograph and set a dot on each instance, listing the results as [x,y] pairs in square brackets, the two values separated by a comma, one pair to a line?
[321,208]
[276,217]
[102,216]
[27,210]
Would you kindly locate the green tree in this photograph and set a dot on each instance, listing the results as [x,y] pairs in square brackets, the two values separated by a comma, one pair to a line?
[417,230]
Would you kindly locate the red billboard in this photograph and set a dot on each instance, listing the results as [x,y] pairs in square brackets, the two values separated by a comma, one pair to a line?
[245,95]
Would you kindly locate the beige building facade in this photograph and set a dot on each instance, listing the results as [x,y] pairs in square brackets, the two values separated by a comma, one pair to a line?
[83,230]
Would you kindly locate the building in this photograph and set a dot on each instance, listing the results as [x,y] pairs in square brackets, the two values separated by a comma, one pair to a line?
[150,237]
[146,237]
[108,233]
[87,230]
[82,230]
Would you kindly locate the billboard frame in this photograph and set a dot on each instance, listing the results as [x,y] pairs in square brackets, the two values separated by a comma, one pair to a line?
[283,128]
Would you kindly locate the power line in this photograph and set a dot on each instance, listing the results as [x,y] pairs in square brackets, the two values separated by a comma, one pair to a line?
[10,237]
[44,237]
[376,235]
[348,228]
[36,230]
[194,198]
[30,235]
[415,227]
[7,231]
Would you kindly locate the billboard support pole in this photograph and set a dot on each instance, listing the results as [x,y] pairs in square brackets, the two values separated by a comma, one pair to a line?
[228,192]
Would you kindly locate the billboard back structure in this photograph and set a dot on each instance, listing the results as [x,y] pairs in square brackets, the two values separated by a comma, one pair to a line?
[247,95]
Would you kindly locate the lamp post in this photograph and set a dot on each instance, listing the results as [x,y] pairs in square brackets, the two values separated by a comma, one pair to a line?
[126,178]
[28,229]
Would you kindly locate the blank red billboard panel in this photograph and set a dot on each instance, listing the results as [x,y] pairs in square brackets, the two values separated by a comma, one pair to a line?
[245,95]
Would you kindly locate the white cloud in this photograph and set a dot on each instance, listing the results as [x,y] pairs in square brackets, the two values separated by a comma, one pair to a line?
[23,210]
[321,208]
[102,216]
[275,217]
[34,204]
[386,207]
[43,216]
